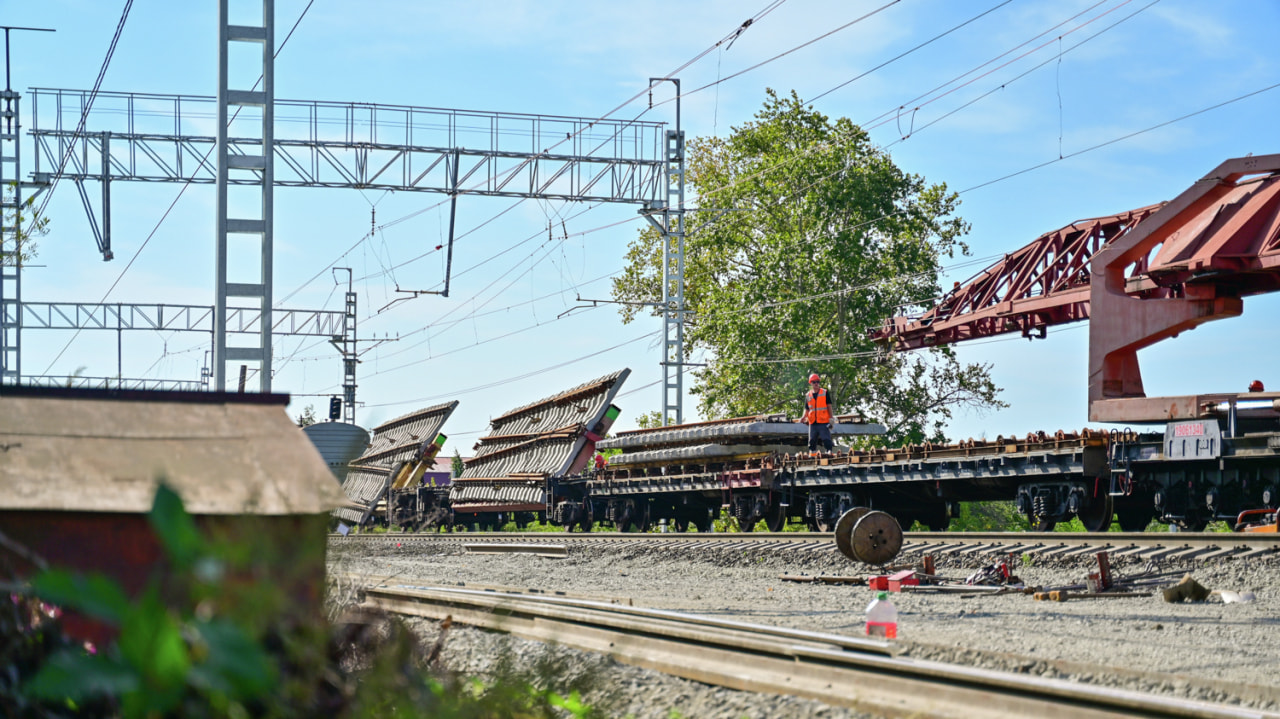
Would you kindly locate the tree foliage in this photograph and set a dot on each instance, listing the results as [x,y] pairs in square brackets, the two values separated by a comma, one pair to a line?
[307,417]
[817,236]
[17,243]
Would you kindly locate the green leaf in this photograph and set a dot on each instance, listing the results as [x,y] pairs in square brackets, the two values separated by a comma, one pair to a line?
[94,595]
[72,674]
[175,528]
[572,704]
[151,642]
[232,664]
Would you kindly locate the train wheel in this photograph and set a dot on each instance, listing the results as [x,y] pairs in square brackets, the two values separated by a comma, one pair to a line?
[681,524]
[588,521]
[1096,516]
[1044,525]
[702,520]
[748,523]
[776,519]
[1190,524]
[1134,519]
[642,517]
[624,518]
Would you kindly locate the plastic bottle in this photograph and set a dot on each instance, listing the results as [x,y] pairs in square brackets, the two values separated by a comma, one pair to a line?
[882,617]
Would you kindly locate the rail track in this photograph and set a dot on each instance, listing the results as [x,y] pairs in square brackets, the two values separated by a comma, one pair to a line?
[839,670]
[1039,545]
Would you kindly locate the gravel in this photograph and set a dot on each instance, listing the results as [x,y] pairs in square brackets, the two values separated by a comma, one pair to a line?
[1208,650]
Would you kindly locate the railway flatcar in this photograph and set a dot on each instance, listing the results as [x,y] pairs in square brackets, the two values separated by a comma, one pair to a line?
[683,475]
[1192,473]
[515,467]
[388,485]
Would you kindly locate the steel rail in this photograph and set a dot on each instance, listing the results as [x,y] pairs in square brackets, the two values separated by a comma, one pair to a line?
[1137,545]
[839,670]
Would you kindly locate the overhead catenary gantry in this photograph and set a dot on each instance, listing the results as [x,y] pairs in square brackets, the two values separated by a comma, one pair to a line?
[146,137]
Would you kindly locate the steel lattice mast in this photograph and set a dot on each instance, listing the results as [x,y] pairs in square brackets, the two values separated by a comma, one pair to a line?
[11,233]
[256,169]
[156,138]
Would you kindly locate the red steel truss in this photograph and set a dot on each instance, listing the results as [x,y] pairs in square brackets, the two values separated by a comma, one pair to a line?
[1164,269]
[1045,283]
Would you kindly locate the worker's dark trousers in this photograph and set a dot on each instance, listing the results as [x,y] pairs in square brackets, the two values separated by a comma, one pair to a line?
[819,433]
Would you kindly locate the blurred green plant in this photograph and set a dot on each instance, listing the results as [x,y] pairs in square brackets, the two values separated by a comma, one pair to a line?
[164,659]
[208,639]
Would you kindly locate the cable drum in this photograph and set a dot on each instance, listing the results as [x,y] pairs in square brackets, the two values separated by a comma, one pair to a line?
[844,531]
[868,536]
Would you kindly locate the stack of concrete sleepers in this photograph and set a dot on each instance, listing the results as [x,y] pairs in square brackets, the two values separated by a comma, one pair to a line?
[393,442]
[551,437]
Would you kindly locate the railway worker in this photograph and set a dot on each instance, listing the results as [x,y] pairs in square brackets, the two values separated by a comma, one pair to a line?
[819,414]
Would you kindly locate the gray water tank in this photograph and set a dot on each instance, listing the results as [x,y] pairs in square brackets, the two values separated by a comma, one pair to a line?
[338,443]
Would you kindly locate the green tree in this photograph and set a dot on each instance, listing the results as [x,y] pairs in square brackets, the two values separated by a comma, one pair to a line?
[457,465]
[649,419]
[307,418]
[17,244]
[821,237]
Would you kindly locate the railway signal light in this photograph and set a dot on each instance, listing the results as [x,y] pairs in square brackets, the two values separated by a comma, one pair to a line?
[335,407]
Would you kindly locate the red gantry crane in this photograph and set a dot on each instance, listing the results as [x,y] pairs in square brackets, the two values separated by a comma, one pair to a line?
[1140,276]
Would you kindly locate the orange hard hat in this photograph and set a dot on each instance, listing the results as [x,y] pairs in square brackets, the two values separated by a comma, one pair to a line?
[814,377]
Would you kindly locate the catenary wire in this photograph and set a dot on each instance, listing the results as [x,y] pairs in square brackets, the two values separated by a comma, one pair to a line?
[527,375]
[734,34]
[173,204]
[84,115]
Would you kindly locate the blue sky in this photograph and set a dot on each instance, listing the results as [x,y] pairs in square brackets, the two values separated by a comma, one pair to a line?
[1168,59]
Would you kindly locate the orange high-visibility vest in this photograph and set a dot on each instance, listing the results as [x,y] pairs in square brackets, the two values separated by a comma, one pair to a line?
[816,409]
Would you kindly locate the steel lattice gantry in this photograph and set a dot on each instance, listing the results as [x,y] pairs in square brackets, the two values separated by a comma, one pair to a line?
[122,316]
[163,138]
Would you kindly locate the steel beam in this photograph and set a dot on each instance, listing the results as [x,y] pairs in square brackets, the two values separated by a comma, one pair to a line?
[1041,285]
[78,382]
[159,138]
[177,318]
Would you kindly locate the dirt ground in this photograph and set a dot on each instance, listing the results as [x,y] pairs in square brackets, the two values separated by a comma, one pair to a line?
[1208,650]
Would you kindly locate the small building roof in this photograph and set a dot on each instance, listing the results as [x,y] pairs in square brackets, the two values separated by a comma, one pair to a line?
[106,451]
